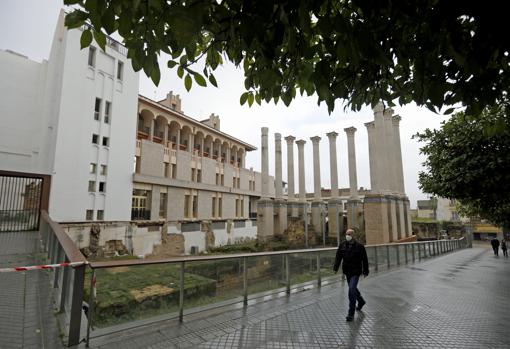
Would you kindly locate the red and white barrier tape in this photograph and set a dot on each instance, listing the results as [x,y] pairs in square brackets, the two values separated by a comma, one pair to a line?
[45,266]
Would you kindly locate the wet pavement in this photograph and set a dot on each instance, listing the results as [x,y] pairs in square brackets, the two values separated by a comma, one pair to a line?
[458,300]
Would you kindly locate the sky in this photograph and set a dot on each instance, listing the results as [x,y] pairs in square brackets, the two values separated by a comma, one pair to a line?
[27,26]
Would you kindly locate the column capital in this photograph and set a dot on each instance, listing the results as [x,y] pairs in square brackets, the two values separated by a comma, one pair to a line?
[350,131]
[370,125]
[315,139]
[301,143]
[278,137]
[388,113]
[379,107]
[290,139]
[332,135]
[396,120]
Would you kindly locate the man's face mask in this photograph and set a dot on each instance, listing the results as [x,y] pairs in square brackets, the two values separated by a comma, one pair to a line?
[348,237]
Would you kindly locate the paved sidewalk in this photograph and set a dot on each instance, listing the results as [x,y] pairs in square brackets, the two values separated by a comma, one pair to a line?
[26,311]
[459,300]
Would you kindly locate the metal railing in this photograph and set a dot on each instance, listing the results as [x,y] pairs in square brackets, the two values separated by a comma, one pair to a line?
[153,290]
[67,281]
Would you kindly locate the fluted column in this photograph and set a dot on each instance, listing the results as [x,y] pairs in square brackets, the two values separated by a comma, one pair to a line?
[278,165]
[372,157]
[398,154]
[316,167]
[353,177]
[390,151]
[333,164]
[301,163]
[380,150]
[265,163]
[165,135]
[290,166]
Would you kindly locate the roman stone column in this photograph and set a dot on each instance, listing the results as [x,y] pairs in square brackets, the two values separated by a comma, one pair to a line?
[372,156]
[265,209]
[265,163]
[317,204]
[398,154]
[151,130]
[280,205]
[390,151]
[165,136]
[380,150]
[291,208]
[335,207]
[354,204]
[301,172]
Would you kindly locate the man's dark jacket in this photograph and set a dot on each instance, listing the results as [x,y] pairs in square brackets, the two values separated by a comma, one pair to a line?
[495,243]
[354,256]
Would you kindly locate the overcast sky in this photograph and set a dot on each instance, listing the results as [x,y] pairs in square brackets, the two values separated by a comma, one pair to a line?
[27,27]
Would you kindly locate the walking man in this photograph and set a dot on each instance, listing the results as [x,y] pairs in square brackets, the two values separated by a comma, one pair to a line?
[355,263]
[495,246]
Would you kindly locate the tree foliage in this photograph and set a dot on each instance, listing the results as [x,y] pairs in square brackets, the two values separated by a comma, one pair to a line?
[469,159]
[436,53]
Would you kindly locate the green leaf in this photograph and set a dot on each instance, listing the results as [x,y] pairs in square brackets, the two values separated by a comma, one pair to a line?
[250,99]
[75,19]
[244,98]
[188,82]
[449,111]
[171,64]
[108,20]
[200,80]
[212,80]
[180,72]
[86,39]
[155,75]
[100,39]
[258,99]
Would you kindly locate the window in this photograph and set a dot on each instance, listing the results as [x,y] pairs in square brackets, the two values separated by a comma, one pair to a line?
[220,207]
[92,167]
[242,208]
[104,170]
[120,70]
[193,174]
[238,182]
[234,182]
[237,207]
[92,186]
[217,179]
[102,187]
[199,175]
[222,179]
[195,206]
[89,215]
[213,207]
[100,215]
[186,206]
[137,164]
[95,139]
[167,170]
[162,205]
[174,171]
[92,56]
[97,109]
[106,141]
[107,109]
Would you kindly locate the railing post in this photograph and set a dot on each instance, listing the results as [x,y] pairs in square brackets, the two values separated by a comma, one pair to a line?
[376,259]
[181,293]
[76,306]
[388,255]
[412,251]
[91,305]
[419,251]
[60,257]
[245,283]
[319,281]
[405,252]
[287,274]
[64,287]
[398,253]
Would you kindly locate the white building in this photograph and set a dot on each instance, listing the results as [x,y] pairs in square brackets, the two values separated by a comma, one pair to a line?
[71,117]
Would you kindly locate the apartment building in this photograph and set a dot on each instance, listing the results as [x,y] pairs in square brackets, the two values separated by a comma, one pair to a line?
[189,170]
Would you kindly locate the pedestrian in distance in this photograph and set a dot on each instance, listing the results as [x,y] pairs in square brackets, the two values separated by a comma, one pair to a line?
[495,246]
[503,248]
[353,257]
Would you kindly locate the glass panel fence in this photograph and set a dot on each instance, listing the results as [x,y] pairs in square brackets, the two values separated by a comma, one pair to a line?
[265,273]
[327,260]
[303,267]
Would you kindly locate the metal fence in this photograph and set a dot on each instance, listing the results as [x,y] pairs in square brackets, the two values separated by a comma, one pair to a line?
[127,293]
[67,281]
[20,200]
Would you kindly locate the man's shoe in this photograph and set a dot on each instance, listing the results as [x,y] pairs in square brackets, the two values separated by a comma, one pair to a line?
[349,317]
[360,305]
